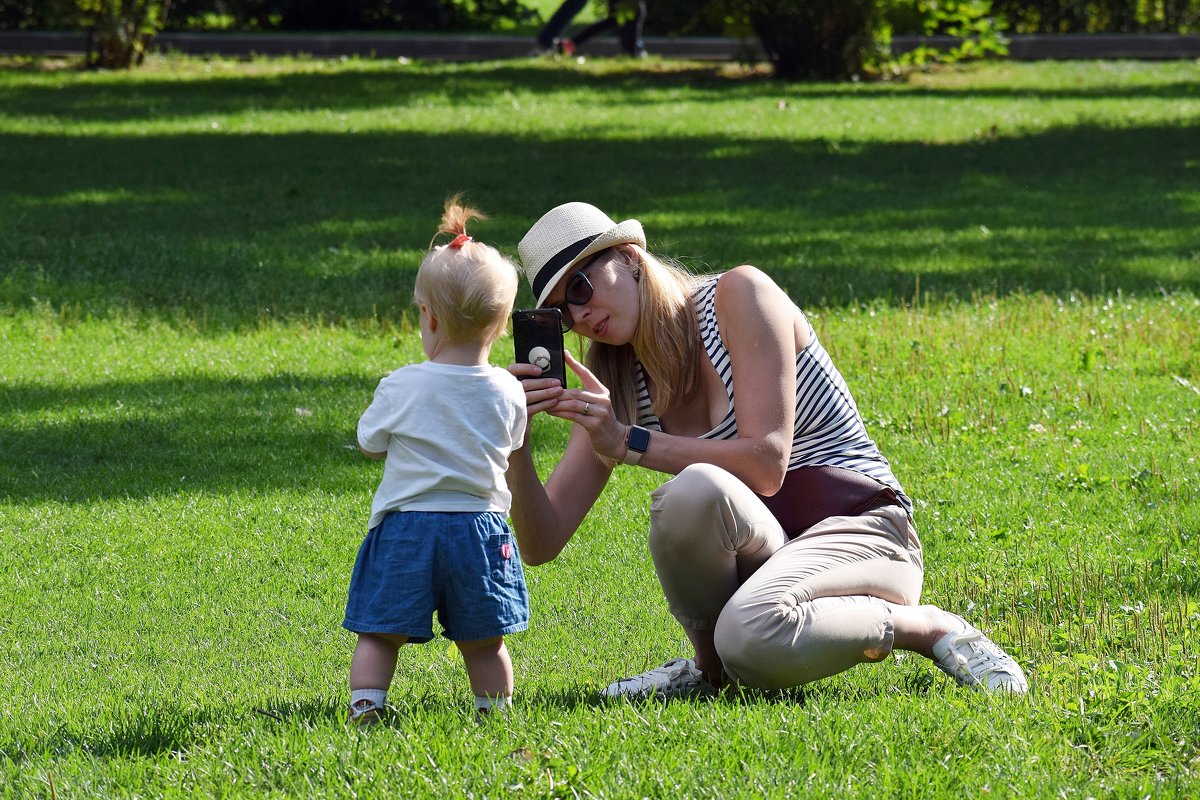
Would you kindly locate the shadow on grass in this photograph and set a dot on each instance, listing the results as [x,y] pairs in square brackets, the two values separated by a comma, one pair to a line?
[142,439]
[381,87]
[310,712]
[838,690]
[146,732]
[145,439]
[227,229]
[156,730]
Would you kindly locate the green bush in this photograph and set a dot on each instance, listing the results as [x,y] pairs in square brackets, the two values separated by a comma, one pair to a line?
[1101,16]
[827,39]
[971,22]
[364,15]
[38,14]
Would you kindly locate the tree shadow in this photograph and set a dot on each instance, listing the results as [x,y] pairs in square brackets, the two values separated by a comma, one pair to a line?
[226,230]
[172,435]
[161,437]
[376,86]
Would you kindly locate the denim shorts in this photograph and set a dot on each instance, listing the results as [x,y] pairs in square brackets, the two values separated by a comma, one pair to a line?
[463,566]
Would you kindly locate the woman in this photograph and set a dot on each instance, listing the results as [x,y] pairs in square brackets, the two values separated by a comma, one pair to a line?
[784,545]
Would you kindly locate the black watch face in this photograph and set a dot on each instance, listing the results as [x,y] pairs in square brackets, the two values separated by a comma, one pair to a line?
[639,439]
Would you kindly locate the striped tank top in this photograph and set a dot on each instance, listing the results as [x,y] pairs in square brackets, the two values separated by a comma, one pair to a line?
[829,430]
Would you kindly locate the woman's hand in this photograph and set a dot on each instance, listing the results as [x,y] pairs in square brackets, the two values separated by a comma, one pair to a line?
[541,394]
[591,408]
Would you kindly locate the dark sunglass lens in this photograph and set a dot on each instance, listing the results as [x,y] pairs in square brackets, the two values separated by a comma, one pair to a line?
[579,289]
[566,319]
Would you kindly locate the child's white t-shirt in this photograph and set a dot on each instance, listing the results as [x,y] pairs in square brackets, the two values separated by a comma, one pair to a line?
[448,431]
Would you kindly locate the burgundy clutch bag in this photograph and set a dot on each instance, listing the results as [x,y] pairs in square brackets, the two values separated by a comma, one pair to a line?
[811,494]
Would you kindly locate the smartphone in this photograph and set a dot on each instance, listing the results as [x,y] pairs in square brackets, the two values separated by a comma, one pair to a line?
[538,339]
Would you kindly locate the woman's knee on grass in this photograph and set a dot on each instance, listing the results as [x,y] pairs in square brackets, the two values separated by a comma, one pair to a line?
[740,649]
[764,649]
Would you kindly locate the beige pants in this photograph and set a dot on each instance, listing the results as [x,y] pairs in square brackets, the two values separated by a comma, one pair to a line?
[784,612]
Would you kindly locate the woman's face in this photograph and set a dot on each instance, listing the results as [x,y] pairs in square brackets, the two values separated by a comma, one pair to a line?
[600,297]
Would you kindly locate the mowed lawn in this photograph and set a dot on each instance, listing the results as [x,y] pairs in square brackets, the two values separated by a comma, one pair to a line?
[206,266]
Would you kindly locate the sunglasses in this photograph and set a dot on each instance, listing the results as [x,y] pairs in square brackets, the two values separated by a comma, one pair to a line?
[578,293]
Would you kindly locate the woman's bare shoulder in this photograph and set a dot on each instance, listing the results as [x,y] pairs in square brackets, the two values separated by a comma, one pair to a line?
[747,284]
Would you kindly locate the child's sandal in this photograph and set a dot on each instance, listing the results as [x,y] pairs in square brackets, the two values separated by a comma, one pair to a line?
[365,712]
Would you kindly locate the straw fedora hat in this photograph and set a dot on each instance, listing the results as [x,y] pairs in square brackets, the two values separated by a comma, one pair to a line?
[564,236]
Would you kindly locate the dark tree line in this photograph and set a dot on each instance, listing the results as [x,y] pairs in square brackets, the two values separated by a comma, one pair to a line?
[805,39]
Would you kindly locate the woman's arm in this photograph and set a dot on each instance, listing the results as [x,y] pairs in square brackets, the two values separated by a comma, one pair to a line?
[763,332]
[546,517]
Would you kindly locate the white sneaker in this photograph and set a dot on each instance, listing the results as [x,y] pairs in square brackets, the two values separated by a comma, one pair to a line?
[974,660]
[676,678]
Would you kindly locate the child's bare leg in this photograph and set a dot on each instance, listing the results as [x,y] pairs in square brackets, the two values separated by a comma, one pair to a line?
[374,661]
[371,671]
[490,671]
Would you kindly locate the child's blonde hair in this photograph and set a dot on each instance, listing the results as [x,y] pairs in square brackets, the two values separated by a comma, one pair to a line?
[467,285]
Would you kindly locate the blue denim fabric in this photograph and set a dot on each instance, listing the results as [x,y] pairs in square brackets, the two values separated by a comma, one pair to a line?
[463,566]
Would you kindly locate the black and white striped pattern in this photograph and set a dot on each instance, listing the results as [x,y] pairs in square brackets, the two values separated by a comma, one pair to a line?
[829,430]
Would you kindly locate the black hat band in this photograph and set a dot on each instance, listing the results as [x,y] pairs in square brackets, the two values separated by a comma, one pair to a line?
[553,264]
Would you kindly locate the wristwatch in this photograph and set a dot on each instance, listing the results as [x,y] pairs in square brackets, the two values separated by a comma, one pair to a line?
[636,442]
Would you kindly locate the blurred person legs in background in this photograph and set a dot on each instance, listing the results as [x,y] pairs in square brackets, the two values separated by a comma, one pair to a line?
[550,38]
[625,16]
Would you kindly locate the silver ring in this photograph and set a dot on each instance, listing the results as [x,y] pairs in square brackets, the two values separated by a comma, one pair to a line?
[586,406]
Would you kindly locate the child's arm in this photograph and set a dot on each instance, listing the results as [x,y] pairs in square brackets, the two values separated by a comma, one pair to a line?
[376,421]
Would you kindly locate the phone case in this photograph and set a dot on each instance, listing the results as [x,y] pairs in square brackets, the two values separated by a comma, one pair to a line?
[538,339]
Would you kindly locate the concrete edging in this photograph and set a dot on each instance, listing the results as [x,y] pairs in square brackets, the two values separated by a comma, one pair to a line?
[482,47]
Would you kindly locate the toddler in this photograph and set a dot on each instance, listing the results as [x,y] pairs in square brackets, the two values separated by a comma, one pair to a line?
[438,540]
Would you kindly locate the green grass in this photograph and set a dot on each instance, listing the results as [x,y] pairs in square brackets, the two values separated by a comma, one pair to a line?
[206,266]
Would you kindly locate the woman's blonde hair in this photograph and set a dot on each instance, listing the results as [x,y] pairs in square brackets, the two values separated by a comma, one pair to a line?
[666,341]
[467,285]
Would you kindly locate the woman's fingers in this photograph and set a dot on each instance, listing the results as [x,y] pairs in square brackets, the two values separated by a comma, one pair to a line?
[541,394]
[588,406]
[579,405]
[543,398]
[524,370]
[590,401]
[590,382]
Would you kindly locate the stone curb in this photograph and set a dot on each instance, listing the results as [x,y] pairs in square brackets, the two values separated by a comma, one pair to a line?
[483,47]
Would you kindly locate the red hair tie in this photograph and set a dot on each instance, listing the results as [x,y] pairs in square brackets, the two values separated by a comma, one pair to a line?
[459,241]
